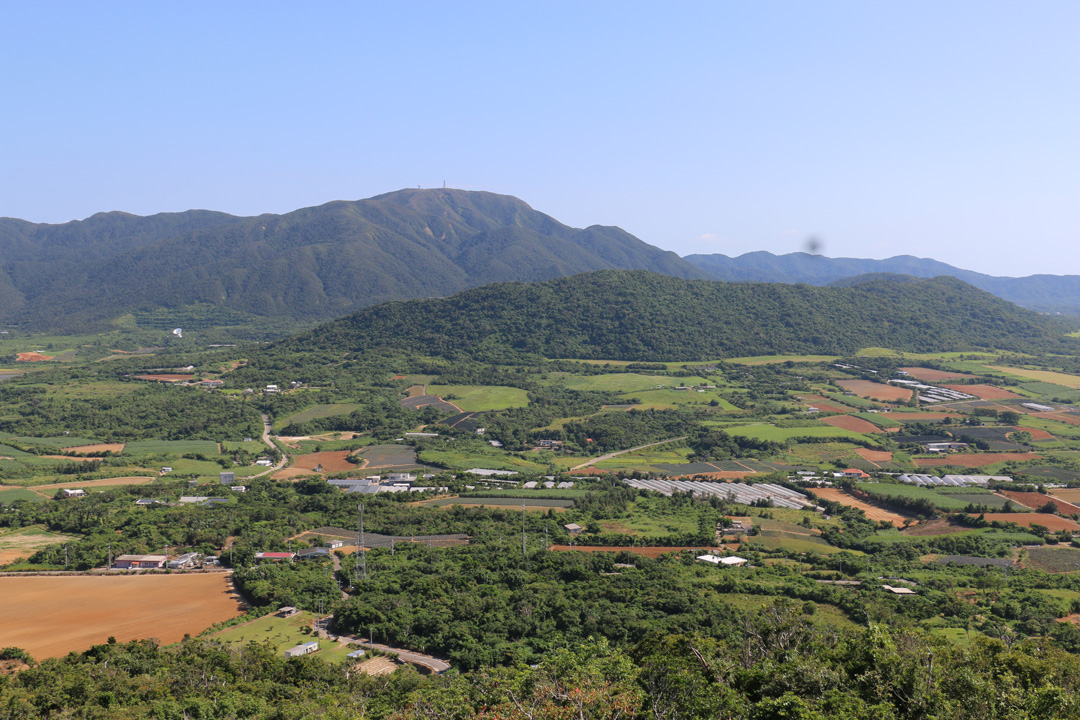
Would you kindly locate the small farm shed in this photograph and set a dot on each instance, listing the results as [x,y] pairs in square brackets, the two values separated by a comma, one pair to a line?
[573,528]
[305,649]
[275,556]
[185,561]
[721,561]
[74,492]
[335,544]
[140,562]
[313,553]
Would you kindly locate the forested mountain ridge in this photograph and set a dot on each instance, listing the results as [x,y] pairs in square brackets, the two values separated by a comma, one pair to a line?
[636,315]
[1051,293]
[311,264]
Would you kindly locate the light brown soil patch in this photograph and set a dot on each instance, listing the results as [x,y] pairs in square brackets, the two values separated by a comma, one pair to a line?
[416,391]
[872,511]
[164,377]
[478,503]
[103,482]
[874,456]
[936,526]
[875,391]
[332,461]
[31,357]
[931,375]
[1037,434]
[847,422]
[1068,418]
[1071,495]
[984,392]
[17,545]
[976,460]
[51,616]
[376,666]
[651,552]
[1036,500]
[99,448]
[1051,522]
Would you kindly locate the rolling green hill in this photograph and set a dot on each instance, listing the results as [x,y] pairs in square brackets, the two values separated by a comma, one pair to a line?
[312,264]
[634,315]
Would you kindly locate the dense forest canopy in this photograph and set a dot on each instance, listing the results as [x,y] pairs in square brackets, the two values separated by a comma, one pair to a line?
[636,315]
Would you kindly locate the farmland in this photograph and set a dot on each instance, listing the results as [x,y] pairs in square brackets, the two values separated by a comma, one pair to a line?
[477,398]
[282,634]
[1047,376]
[876,391]
[854,424]
[872,511]
[943,498]
[1053,523]
[968,460]
[126,607]
[24,542]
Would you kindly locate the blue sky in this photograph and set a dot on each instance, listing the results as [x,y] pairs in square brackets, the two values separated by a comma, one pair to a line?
[937,129]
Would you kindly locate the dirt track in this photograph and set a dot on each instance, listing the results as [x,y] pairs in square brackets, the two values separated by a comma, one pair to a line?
[53,615]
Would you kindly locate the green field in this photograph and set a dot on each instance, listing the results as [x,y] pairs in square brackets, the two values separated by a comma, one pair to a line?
[772,359]
[316,412]
[824,614]
[943,499]
[459,460]
[11,495]
[627,382]
[282,634]
[480,398]
[771,432]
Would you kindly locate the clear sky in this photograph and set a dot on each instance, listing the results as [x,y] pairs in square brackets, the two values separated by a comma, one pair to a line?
[940,129]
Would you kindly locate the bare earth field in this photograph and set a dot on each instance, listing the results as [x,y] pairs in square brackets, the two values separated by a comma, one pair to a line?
[332,462]
[937,526]
[99,448]
[824,404]
[874,456]
[984,392]
[53,615]
[975,460]
[1051,522]
[1036,500]
[24,543]
[846,422]
[1070,495]
[31,357]
[103,482]
[651,552]
[931,375]
[875,391]
[1038,434]
[872,511]
[1069,418]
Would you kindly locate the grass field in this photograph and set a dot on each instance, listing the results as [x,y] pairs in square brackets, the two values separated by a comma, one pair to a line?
[1054,559]
[478,398]
[940,500]
[316,412]
[282,634]
[1047,376]
[771,432]
[24,542]
[626,382]
[772,359]
[10,495]
[458,460]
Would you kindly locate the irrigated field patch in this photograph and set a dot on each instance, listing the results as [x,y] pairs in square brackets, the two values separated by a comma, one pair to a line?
[54,615]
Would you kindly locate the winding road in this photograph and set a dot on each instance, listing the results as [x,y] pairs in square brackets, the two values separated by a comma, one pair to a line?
[266,440]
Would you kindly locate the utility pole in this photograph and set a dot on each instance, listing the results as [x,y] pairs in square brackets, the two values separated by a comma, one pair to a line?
[65,558]
[110,557]
[524,552]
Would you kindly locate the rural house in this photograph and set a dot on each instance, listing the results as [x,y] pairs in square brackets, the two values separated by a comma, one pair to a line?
[305,649]
[140,562]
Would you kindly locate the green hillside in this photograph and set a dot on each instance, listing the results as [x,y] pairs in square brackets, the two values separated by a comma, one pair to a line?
[645,316]
[312,264]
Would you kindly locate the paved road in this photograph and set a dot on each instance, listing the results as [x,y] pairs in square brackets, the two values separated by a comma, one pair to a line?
[266,440]
[621,452]
[432,663]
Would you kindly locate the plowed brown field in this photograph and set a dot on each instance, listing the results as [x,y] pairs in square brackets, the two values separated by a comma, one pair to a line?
[874,456]
[984,392]
[872,511]
[846,422]
[645,551]
[1068,418]
[1026,519]
[875,391]
[931,375]
[1036,500]
[332,462]
[1071,495]
[51,616]
[1037,434]
[32,357]
[975,460]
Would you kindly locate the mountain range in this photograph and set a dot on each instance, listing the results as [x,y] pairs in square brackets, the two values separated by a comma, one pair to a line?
[209,268]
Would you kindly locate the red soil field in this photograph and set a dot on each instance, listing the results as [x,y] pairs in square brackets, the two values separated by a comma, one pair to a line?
[828,406]
[31,357]
[651,552]
[50,616]
[874,456]
[1036,500]
[847,422]
[931,375]
[332,462]
[872,511]
[1050,522]
[984,392]
[875,391]
[1037,434]
[974,461]
[164,377]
